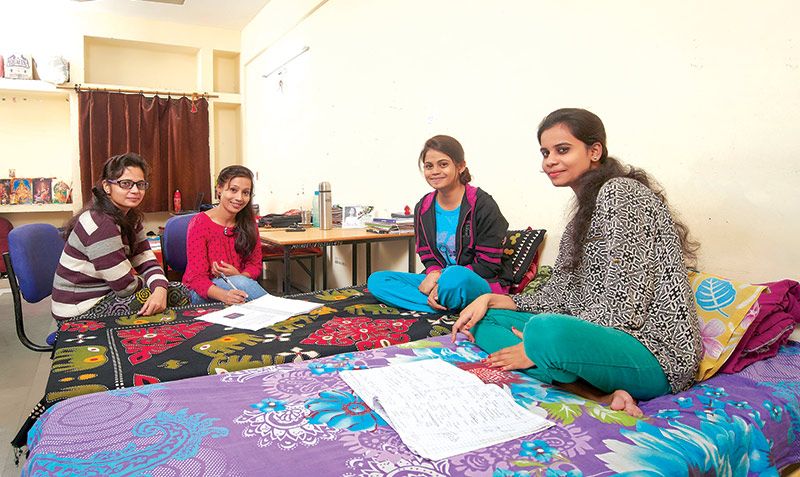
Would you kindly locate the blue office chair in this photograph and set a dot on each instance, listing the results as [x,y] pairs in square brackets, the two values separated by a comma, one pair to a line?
[173,242]
[31,261]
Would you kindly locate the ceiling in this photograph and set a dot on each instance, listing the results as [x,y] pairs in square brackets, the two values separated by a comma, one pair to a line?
[228,14]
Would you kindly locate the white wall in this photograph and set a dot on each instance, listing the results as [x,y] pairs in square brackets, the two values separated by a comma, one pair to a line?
[703,96]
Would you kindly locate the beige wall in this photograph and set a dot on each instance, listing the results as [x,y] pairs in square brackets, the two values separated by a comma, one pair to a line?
[704,96]
[46,136]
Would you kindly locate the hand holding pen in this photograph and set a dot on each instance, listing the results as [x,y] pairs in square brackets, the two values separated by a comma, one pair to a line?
[234,295]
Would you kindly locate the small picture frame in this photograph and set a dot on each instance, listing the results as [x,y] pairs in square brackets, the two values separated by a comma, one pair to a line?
[62,192]
[354,216]
[5,191]
[42,190]
[22,190]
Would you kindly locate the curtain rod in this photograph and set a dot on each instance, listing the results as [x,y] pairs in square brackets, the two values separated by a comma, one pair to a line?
[305,49]
[78,88]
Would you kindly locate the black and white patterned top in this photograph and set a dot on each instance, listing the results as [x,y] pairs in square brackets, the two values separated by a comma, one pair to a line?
[632,278]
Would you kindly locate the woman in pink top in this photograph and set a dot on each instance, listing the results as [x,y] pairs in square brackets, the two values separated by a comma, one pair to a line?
[223,250]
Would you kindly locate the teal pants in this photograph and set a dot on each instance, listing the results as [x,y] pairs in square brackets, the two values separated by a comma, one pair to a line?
[458,286]
[565,348]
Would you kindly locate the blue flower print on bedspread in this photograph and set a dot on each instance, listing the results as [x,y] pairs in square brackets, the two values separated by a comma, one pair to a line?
[542,459]
[343,410]
[269,405]
[181,434]
[721,443]
[789,392]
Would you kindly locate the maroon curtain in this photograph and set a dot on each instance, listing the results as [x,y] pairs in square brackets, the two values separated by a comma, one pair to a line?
[170,134]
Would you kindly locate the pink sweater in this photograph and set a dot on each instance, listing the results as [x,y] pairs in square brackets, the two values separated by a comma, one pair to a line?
[206,243]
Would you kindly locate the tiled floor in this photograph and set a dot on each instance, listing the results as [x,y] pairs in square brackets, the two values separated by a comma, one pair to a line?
[23,374]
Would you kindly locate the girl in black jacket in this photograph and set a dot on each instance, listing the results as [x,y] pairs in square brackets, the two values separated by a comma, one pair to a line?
[460,234]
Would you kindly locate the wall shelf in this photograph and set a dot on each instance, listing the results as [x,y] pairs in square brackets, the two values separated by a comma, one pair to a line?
[10,86]
[26,208]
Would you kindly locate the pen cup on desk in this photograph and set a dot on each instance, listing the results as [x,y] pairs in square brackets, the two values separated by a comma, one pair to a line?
[305,218]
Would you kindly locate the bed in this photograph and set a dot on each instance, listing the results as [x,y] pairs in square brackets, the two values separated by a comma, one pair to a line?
[300,418]
[125,351]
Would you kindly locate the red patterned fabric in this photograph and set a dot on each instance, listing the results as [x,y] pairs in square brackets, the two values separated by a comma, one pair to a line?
[490,375]
[142,344]
[364,332]
[82,326]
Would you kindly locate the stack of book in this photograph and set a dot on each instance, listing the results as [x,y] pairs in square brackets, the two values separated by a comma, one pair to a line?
[395,225]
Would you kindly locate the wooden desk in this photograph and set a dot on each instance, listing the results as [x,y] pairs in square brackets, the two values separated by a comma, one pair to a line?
[315,237]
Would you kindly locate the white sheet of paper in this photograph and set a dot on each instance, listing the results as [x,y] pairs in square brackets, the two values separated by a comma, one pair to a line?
[259,313]
[440,411]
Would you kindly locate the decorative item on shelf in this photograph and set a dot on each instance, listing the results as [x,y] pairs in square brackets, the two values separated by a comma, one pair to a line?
[2,70]
[12,196]
[5,191]
[18,66]
[53,69]
[22,190]
[42,190]
[62,193]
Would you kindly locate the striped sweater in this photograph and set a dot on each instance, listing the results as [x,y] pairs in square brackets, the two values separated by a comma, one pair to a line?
[95,262]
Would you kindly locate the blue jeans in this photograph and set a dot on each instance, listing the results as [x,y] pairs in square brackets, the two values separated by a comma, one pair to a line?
[458,287]
[247,285]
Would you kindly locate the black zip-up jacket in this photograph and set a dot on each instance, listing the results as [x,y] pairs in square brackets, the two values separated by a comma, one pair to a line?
[480,237]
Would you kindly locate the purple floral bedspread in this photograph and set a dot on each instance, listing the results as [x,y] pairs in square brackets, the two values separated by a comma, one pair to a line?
[300,419]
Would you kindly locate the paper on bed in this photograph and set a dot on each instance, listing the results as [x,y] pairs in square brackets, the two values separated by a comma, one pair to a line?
[259,313]
[440,411]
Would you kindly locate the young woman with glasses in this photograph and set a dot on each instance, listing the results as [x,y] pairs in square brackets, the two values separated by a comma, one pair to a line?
[107,267]
[223,251]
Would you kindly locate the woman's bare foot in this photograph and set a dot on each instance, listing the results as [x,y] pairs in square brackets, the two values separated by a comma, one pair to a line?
[621,400]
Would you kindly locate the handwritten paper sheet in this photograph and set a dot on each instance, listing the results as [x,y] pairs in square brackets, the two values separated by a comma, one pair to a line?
[440,411]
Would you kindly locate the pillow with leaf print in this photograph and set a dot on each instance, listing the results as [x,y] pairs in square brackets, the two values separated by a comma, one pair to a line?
[725,308]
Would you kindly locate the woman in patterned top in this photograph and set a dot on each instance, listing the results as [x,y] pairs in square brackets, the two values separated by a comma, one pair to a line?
[107,267]
[223,251]
[617,321]
[460,234]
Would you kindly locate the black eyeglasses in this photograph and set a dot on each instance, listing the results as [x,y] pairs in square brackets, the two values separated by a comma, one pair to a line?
[128,184]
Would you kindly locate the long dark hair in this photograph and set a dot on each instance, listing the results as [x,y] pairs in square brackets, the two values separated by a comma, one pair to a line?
[246,230]
[450,146]
[128,223]
[589,129]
